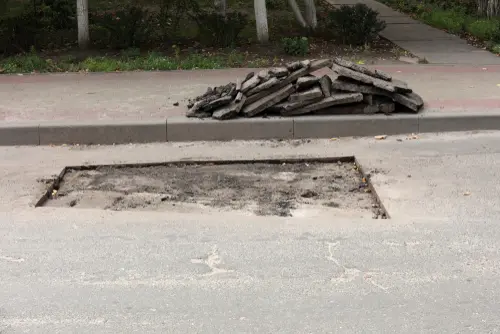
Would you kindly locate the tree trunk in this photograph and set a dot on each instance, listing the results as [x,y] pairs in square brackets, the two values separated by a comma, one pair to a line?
[311,19]
[493,8]
[82,14]
[221,7]
[261,21]
[482,6]
[297,13]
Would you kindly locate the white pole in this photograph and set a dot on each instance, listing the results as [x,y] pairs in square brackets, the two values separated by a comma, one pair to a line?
[82,15]
[261,21]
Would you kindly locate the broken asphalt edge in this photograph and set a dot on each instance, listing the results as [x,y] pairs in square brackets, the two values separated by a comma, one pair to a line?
[176,129]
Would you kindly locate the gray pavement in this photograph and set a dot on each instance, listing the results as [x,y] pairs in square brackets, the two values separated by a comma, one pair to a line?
[423,41]
[150,96]
[433,267]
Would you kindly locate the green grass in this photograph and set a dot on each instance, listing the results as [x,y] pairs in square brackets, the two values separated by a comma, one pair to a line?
[452,21]
[32,62]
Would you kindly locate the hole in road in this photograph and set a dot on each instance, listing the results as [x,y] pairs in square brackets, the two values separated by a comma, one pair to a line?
[298,187]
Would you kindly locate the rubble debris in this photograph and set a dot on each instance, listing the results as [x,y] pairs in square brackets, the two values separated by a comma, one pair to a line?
[306,82]
[294,90]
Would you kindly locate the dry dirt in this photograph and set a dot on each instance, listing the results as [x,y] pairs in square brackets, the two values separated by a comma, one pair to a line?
[286,189]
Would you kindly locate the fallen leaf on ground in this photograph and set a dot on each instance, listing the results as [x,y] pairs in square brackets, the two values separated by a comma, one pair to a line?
[381,137]
[467,193]
[412,136]
[334,138]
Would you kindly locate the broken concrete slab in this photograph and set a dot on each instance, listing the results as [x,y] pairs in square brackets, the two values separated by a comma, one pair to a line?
[319,64]
[387,107]
[305,63]
[326,85]
[347,86]
[229,111]
[355,67]
[294,66]
[250,83]
[285,81]
[239,97]
[284,107]
[351,109]
[202,105]
[305,95]
[268,101]
[279,72]
[389,86]
[218,103]
[327,102]
[306,82]
[411,101]
[263,86]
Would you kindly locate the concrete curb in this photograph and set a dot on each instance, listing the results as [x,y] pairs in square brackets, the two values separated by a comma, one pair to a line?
[186,129]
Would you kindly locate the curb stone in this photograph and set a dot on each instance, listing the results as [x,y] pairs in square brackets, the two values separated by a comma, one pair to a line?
[187,129]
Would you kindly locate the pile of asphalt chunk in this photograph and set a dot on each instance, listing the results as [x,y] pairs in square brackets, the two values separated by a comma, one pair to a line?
[293,90]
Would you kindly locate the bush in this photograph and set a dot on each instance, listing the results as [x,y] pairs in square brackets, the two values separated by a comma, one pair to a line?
[484,29]
[41,25]
[217,30]
[356,25]
[129,27]
[296,46]
[452,21]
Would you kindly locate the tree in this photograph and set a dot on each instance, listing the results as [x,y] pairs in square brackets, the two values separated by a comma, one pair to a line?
[261,21]
[310,20]
[489,8]
[82,15]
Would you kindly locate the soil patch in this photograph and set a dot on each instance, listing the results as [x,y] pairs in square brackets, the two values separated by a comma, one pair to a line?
[264,189]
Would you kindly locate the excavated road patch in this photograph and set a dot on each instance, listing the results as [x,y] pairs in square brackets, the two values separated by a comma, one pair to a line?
[277,188]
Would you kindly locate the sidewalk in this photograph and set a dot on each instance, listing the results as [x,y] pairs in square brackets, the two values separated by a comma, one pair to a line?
[434,45]
[150,96]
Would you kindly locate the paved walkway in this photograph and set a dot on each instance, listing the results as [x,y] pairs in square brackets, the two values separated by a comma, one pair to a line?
[151,95]
[434,45]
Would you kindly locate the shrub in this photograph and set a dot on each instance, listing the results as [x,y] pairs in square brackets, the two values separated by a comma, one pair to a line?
[215,29]
[483,29]
[129,27]
[296,46]
[452,21]
[356,25]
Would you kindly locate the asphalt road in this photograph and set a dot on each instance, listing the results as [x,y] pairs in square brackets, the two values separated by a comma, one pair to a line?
[432,268]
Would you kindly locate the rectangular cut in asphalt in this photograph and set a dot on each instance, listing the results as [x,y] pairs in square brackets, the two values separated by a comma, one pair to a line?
[229,111]
[268,101]
[355,67]
[305,95]
[327,102]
